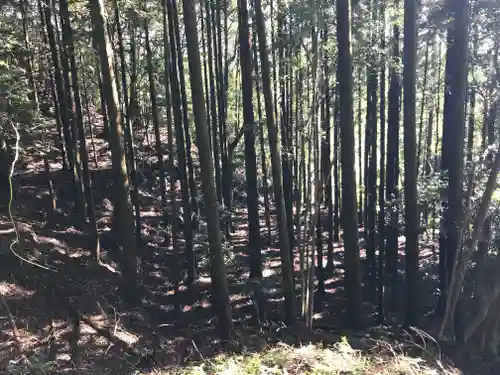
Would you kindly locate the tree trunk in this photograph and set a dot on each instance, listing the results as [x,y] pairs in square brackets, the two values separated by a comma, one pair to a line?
[410,162]
[121,198]
[392,176]
[381,191]
[92,227]
[191,264]
[249,134]
[185,119]
[454,132]
[267,214]
[220,296]
[285,252]
[156,120]
[348,217]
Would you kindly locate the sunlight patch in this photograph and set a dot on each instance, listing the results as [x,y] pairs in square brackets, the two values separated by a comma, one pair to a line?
[236,297]
[268,272]
[204,280]
[9,289]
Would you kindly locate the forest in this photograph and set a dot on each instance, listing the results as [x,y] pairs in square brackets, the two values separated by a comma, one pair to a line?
[249,187]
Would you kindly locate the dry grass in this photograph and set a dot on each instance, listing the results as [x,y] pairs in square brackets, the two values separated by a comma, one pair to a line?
[339,359]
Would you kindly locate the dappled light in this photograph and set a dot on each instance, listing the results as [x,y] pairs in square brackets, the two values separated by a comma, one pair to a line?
[251,187]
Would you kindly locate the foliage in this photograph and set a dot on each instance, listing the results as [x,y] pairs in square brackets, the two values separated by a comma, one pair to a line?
[311,359]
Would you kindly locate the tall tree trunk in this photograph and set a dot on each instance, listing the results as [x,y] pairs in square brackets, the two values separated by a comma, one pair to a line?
[170,135]
[52,89]
[121,198]
[285,250]
[185,119]
[156,120]
[267,213]
[80,208]
[283,120]
[58,80]
[220,296]
[453,135]
[92,227]
[181,150]
[133,115]
[371,152]
[360,153]
[326,158]
[213,106]
[422,103]
[392,176]
[336,124]
[381,187]
[33,95]
[249,134]
[349,222]
[410,161]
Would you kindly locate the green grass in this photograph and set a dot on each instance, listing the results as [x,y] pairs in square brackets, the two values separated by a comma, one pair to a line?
[339,359]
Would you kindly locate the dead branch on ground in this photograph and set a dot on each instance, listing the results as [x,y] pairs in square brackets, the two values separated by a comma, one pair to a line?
[107,334]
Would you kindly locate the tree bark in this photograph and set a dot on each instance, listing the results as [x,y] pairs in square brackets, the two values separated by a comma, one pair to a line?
[220,296]
[348,216]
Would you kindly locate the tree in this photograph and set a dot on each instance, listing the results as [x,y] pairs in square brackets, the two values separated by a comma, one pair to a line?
[410,162]
[392,176]
[249,134]
[191,264]
[285,253]
[348,215]
[453,137]
[80,131]
[123,220]
[220,297]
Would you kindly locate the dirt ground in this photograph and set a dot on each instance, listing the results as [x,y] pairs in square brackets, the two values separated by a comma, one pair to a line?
[47,274]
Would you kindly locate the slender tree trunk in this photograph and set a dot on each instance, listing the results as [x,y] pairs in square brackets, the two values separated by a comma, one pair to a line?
[267,213]
[360,153]
[33,95]
[133,114]
[285,251]
[349,222]
[249,134]
[422,104]
[156,120]
[170,135]
[213,106]
[220,296]
[326,155]
[181,151]
[371,152]
[381,188]
[92,227]
[453,137]
[410,162]
[185,120]
[121,198]
[392,176]
[53,93]
[65,56]
[336,124]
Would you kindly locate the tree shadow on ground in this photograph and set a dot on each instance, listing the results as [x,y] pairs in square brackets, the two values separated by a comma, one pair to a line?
[173,320]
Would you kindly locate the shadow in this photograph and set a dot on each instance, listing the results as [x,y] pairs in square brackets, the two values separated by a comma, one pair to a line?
[170,315]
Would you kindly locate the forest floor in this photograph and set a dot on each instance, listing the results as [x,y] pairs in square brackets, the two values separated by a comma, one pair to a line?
[36,323]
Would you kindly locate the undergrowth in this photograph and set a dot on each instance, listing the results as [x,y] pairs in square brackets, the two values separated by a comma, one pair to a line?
[339,359]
